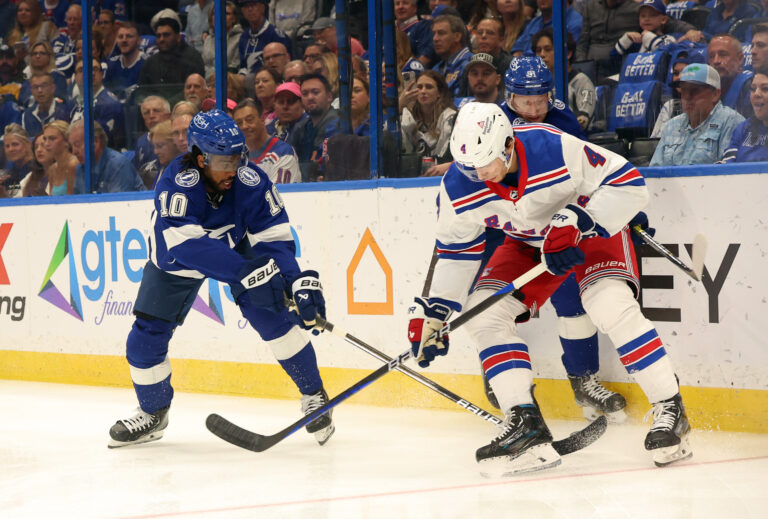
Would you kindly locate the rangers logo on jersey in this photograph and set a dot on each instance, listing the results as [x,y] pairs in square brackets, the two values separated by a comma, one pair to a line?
[187,178]
[248,176]
[200,121]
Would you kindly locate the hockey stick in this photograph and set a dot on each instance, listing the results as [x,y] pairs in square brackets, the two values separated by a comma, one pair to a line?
[698,251]
[576,441]
[236,435]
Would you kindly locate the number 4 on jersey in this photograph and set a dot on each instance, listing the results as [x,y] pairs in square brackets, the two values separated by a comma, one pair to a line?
[595,159]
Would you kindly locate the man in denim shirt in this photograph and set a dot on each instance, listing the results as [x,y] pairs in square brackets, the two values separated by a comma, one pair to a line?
[703,131]
[112,172]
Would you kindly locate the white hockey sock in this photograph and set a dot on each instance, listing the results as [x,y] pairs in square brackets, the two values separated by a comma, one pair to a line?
[658,380]
[512,387]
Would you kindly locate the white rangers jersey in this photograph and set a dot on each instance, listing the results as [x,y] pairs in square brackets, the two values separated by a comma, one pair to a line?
[555,169]
[278,160]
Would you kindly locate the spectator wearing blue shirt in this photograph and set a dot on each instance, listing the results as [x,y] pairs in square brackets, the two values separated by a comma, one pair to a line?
[309,135]
[7,16]
[543,21]
[154,110]
[41,59]
[122,75]
[107,108]
[449,39]
[64,44]
[701,134]
[55,11]
[750,139]
[46,108]
[112,172]
[359,106]
[725,14]
[419,31]
[727,57]
[257,35]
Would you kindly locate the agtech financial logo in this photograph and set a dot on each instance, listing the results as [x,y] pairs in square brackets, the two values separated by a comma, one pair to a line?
[88,270]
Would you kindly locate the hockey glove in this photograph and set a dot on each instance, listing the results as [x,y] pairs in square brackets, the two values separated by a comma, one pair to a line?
[561,244]
[423,330]
[264,285]
[640,219]
[308,298]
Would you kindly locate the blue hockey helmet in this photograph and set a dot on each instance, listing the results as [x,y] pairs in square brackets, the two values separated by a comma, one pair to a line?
[528,76]
[215,133]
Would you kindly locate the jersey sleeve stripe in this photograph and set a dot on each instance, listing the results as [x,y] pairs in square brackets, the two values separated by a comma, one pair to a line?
[175,236]
[279,232]
[626,175]
[482,194]
[458,247]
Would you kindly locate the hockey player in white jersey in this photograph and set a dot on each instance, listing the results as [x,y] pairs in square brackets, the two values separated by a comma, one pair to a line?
[565,201]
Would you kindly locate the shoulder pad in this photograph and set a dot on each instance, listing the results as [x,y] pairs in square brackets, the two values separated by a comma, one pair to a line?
[187,178]
[248,176]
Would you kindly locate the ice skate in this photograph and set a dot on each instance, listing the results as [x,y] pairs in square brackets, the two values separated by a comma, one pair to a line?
[524,445]
[322,426]
[140,428]
[595,399]
[668,437]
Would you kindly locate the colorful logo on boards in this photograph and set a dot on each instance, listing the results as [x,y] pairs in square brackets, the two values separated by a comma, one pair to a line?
[48,291]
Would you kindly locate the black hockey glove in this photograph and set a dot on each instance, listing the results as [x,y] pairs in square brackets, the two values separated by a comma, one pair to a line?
[263,283]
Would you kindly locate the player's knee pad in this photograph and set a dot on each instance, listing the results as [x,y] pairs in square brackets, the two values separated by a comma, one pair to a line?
[147,350]
[579,327]
[496,324]
[289,344]
[611,305]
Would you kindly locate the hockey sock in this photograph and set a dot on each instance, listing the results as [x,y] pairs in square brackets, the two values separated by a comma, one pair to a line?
[302,368]
[508,369]
[154,396]
[578,336]
[645,359]
[146,351]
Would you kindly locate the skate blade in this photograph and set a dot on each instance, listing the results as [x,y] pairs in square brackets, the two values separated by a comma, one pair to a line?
[616,417]
[323,435]
[151,437]
[667,455]
[539,457]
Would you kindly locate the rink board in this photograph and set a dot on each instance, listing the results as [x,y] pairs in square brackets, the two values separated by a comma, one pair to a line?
[69,274]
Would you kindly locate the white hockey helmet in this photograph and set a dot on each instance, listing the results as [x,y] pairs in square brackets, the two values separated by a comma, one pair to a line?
[479,136]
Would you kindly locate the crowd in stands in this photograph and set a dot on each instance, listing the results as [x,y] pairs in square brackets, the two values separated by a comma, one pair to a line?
[664,82]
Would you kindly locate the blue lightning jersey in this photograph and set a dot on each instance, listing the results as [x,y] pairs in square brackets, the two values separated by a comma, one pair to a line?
[118,78]
[194,232]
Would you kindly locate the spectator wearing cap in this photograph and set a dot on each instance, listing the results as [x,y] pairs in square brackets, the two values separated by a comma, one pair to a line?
[308,136]
[419,30]
[197,23]
[276,157]
[112,171]
[289,15]
[288,110]
[489,35]
[10,72]
[581,90]
[234,32]
[750,139]
[123,71]
[46,107]
[165,72]
[483,81]
[651,18]
[449,38]
[324,32]
[759,46]
[701,134]
[573,23]
[257,35]
[673,107]
[725,54]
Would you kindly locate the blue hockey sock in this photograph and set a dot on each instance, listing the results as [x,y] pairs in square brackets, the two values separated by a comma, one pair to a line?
[154,396]
[580,356]
[302,368]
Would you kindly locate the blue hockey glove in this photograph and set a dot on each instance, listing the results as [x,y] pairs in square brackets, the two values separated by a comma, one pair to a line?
[426,320]
[561,244]
[264,285]
[308,298]
[640,219]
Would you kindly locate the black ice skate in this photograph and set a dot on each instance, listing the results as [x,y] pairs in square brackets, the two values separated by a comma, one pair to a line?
[322,426]
[524,445]
[668,437]
[140,428]
[595,399]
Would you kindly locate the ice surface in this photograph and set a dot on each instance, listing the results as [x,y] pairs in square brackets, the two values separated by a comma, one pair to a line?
[381,463]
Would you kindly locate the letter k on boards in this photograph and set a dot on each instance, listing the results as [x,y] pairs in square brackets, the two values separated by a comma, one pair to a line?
[5,230]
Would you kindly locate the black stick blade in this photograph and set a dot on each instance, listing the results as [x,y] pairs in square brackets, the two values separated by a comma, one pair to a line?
[583,438]
[235,435]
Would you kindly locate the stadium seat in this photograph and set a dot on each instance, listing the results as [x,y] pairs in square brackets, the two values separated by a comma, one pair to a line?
[641,151]
[696,16]
[604,95]
[741,28]
[611,141]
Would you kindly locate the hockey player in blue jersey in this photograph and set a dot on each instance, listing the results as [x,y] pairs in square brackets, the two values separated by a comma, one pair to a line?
[529,85]
[567,203]
[217,215]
